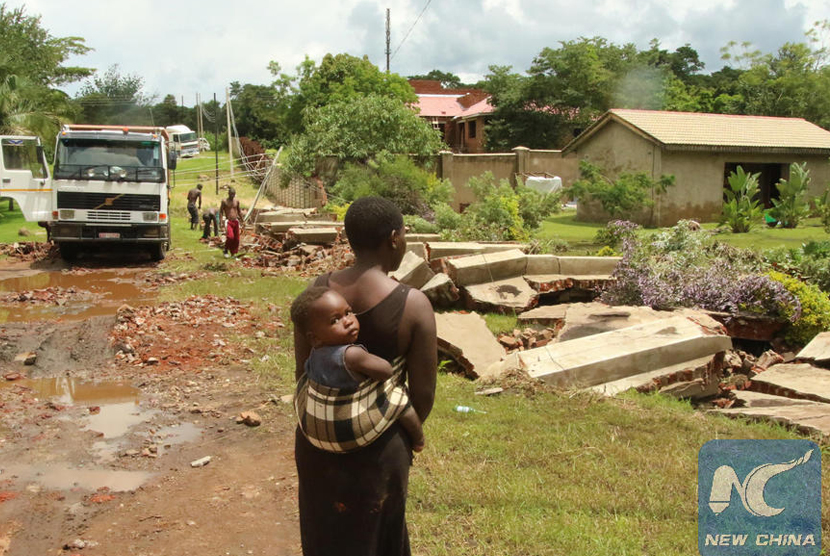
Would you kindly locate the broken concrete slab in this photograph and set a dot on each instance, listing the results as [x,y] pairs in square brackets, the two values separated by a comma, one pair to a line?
[795,380]
[552,316]
[489,267]
[466,338]
[283,227]
[418,248]
[413,271]
[498,247]
[694,379]
[441,291]
[542,265]
[318,236]
[555,283]
[284,215]
[806,416]
[587,319]
[444,249]
[422,238]
[580,266]
[610,356]
[504,296]
[817,350]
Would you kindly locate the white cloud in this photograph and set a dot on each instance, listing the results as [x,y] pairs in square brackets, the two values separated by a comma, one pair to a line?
[188,46]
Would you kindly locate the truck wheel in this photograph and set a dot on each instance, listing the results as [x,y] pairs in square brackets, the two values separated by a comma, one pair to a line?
[69,251]
[159,251]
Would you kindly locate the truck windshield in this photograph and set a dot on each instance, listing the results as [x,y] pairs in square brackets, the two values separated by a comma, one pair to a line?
[187,137]
[103,159]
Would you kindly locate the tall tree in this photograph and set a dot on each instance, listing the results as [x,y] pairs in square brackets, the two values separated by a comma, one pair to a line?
[448,80]
[115,98]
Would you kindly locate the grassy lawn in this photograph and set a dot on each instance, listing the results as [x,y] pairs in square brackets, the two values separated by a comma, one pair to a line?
[12,221]
[580,235]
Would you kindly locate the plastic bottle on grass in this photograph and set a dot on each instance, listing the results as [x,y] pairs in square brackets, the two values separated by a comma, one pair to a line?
[467,409]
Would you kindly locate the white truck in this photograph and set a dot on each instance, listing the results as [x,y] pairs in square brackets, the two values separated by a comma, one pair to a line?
[183,140]
[110,186]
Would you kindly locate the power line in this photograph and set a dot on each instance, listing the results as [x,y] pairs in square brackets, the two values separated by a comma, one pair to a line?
[411,28]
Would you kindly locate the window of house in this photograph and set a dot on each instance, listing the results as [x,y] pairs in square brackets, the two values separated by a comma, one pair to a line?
[471,127]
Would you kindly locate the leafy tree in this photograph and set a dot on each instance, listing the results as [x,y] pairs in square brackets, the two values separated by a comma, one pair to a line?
[448,80]
[27,50]
[357,129]
[792,204]
[742,211]
[621,198]
[262,113]
[114,98]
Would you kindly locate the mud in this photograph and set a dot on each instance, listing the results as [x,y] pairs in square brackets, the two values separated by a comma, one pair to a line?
[96,442]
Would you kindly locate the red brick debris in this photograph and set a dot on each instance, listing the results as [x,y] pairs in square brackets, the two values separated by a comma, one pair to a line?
[191,335]
[29,250]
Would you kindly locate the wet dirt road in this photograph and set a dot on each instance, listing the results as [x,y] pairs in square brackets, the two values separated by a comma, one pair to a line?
[103,411]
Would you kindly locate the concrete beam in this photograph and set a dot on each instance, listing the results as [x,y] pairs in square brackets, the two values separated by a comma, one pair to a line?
[441,291]
[694,379]
[580,266]
[318,236]
[806,416]
[817,350]
[417,248]
[282,227]
[466,338]
[478,269]
[422,238]
[414,271]
[542,265]
[795,380]
[505,296]
[621,353]
[444,249]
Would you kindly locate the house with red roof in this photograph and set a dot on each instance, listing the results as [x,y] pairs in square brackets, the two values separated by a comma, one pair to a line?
[460,114]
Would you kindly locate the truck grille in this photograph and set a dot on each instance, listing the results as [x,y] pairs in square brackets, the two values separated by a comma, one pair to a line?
[108,216]
[108,201]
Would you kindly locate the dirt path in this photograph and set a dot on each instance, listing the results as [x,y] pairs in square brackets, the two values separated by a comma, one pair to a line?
[98,435]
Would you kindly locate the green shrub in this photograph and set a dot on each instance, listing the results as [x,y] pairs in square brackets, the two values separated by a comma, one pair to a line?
[815,310]
[821,209]
[792,205]
[418,225]
[615,232]
[810,263]
[398,178]
[607,251]
[623,197]
[741,211]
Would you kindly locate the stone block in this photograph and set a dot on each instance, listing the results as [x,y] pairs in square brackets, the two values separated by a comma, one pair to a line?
[317,236]
[618,354]
[478,269]
[417,248]
[817,350]
[443,249]
[580,266]
[806,416]
[505,296]
[441,291]
[542,265]
[414,271]
[795,380]
[466,338]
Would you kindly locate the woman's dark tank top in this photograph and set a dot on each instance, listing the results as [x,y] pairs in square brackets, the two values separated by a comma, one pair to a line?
[379,325]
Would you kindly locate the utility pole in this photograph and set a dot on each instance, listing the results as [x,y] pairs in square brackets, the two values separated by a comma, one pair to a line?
[388,37]
[230,140]
[182,108]
[198,117]
[216,146]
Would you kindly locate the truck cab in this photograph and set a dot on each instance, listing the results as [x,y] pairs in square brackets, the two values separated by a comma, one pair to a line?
[183,140]
[110,185]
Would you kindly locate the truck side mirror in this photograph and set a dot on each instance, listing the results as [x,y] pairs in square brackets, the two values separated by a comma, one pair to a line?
[171,160]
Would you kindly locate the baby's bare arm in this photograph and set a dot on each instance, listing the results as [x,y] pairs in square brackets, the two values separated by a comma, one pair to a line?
[359,361]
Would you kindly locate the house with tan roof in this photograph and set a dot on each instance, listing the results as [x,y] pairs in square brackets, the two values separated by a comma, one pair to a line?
[460,114]
[700,150]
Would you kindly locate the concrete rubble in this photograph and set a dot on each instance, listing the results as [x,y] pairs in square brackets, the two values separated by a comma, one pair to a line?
[818,350]
[466,338]
[619,354]
[807,416]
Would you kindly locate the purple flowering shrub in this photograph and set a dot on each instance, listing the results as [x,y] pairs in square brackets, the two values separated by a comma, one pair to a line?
[615,232]
[681,267]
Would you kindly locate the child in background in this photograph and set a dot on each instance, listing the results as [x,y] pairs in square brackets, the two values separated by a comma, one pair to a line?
[335,360]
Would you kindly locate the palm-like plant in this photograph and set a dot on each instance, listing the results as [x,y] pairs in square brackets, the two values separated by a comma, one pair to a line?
[742,210]
[792,204]
[29,110]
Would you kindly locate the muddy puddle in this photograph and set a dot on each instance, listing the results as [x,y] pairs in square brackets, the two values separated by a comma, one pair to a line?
[118,418]
[98,293]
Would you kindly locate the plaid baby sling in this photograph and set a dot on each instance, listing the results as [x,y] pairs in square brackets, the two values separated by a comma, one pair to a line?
[345,420]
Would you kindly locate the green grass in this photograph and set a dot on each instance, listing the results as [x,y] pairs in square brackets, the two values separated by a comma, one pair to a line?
[12,221]
[578,235]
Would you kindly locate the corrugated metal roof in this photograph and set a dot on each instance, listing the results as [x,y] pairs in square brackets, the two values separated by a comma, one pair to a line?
[689,129]
[448,106]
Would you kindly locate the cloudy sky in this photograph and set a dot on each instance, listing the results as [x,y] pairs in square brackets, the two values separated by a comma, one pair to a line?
[184,47]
